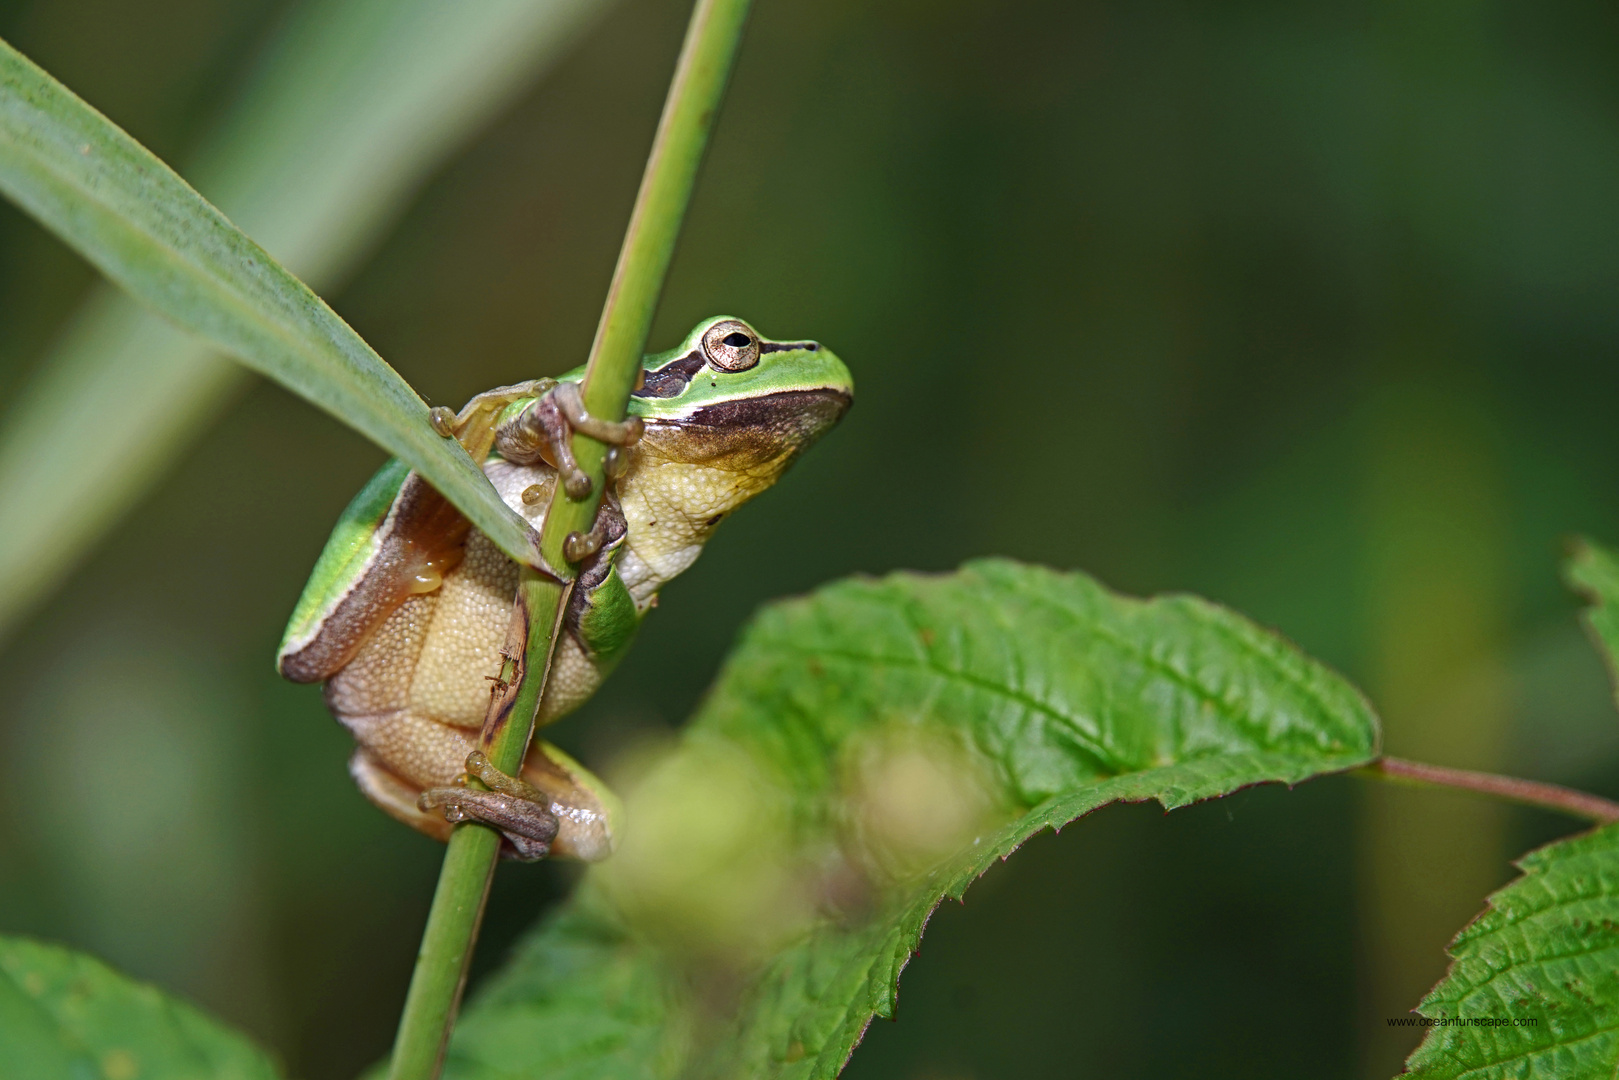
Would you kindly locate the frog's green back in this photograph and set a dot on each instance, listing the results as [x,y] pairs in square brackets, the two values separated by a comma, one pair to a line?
[354,542]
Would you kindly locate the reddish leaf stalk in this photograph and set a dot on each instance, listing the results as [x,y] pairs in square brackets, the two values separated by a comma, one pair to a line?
[1553,797]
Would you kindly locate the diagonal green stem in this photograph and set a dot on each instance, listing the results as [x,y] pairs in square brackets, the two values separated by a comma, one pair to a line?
[615,358]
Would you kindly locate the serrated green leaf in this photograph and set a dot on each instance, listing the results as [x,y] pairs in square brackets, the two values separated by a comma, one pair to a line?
[1593,572]
[1051,695]
[1534,987]
[147,230]
[579,1001]
[349,107]
[66,1016]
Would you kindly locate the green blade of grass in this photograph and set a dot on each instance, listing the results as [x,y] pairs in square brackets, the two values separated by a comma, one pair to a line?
[347,109]
[140,224]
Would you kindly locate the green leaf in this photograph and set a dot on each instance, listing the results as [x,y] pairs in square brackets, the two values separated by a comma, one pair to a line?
[349,107]
[1534,986]
[844,729]
[579,1001]
[1545,954]
[142,226]
[1593,572]
[66,1016]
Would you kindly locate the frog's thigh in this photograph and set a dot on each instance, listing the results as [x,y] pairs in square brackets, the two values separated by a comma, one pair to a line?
[605,625]
[418,750]
[460,651]
[394,796]
[608,620]
[574,677]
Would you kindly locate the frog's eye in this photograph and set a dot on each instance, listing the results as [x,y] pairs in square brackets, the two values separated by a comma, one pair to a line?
[731,345]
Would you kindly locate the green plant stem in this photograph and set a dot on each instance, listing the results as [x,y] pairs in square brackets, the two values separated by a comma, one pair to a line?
[649,244]
[469,860]
[1552,797]
[615,358]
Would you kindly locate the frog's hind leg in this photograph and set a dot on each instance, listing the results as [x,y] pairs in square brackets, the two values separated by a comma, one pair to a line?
[555,807]
[525,821]
[519,810]
[586,810]
[395,796]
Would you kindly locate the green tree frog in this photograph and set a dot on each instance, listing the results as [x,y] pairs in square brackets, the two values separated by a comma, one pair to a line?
[406,612]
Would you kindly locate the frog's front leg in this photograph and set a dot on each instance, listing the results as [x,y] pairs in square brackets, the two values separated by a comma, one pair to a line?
[474,425]
[544,431]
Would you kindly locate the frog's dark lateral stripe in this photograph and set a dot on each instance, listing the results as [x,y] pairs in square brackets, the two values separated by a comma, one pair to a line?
[771,410]
[750,430]
[748,434]
[671,379]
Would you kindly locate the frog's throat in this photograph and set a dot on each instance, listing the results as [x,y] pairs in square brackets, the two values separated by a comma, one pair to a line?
[689,474]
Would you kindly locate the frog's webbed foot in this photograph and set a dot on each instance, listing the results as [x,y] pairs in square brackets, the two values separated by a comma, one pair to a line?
[545,431]
[521,811]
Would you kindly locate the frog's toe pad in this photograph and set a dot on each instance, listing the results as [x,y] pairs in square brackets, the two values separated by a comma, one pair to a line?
[530,826]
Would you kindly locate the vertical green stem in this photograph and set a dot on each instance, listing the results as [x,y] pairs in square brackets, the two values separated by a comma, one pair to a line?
[649,244]
[615,358]
[469,861]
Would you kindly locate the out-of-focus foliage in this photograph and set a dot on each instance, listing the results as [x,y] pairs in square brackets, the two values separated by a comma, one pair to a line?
[345,109]
[146,229]
[1544,953]
[866,753]
[1594,572]
[1316,304]
[64,1016]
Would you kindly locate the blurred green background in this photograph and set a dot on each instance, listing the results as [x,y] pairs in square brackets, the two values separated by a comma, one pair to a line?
[1308,307]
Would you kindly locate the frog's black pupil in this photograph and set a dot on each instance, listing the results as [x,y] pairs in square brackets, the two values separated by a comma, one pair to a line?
[737,340]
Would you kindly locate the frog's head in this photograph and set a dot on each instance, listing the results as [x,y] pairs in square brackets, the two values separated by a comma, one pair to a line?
[725,414]
[730,400]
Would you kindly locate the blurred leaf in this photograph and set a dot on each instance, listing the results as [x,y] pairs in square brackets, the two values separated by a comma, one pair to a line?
[349,107]
[579,1001]
[1593,572]
[1043,692]
[142,226]
[1545,950]
[66,1016]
